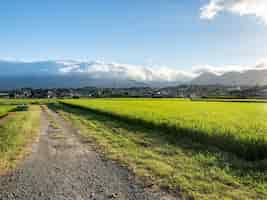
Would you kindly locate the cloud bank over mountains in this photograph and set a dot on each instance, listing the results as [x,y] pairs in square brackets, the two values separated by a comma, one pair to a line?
[255,8]
[98,69]
[198,70]
[70,73]
[101,70]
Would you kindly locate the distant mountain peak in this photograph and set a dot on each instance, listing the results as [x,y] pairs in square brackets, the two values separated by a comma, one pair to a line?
[249,77]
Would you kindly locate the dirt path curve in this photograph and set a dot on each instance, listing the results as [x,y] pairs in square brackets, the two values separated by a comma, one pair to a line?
[61,166]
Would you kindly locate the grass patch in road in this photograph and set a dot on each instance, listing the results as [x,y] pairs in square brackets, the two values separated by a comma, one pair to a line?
[15,134]
[51,119]
[57,136]
[52,122]
[192,169]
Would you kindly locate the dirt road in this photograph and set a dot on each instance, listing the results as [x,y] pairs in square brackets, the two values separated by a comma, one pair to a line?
[62,166]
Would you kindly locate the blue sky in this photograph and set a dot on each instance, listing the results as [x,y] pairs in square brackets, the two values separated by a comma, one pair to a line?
[146,32]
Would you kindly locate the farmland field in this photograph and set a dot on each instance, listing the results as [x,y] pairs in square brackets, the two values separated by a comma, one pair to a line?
[196,149]
[239,128]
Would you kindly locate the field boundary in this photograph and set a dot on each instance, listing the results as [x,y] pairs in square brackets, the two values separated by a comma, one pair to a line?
[253,150]
[230,100]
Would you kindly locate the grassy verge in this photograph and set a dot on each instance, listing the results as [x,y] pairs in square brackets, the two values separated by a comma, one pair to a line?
[15,134]
[26,101]
[5,109]
[192,169]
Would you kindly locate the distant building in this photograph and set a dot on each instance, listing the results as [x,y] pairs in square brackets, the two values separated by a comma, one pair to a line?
[53,93]
[232,89]
[4,95]
[262,93]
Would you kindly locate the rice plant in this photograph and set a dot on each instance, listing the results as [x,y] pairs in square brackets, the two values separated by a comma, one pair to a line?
[235,127]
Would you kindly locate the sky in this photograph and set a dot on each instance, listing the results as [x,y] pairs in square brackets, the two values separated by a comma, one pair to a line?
[180,34]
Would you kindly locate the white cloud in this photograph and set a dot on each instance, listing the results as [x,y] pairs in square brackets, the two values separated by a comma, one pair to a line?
[257,8]
[260,65]
[97,69]
[219,70]
[210,10]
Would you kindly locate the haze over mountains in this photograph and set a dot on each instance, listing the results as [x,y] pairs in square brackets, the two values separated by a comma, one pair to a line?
[69,73]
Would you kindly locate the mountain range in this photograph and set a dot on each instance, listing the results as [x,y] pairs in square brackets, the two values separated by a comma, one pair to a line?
[246,78]
[74,74]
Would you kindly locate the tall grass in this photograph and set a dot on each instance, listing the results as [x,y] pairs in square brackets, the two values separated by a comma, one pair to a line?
[15,134]
[239,128]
